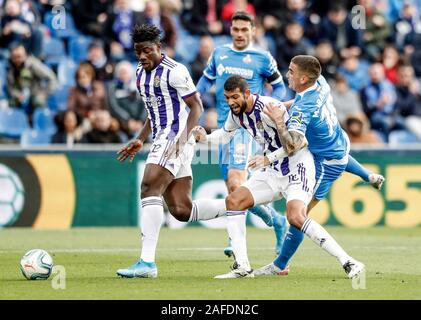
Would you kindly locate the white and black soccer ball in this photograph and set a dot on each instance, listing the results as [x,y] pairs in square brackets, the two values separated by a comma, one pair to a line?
[36,264]
[12,196]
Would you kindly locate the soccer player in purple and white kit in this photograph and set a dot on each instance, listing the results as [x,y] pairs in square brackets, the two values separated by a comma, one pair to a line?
[167,89]
[291,176]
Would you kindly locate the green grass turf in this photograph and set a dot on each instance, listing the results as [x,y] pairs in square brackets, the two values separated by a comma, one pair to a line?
[189,258]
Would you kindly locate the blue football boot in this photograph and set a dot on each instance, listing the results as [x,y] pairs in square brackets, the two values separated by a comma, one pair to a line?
[140,269]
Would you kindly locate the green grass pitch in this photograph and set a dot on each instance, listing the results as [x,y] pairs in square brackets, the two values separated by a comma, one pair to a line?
[188,259]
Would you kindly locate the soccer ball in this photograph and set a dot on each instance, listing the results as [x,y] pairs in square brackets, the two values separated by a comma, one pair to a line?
[36,264]
[12,196]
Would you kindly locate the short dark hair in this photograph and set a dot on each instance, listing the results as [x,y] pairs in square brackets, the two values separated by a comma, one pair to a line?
[235,82]
[146,32]
[241,15]
[309,65]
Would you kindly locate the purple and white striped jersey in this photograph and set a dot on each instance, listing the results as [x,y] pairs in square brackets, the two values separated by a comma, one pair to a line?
[163,90]
[261,128]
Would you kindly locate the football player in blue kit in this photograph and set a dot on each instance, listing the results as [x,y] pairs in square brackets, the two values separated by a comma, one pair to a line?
[257,66]
[312,117]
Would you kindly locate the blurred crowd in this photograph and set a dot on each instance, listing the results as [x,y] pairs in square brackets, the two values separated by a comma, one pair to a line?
[67,68]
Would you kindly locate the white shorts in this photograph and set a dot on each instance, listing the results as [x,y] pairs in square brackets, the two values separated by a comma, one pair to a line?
[179,167]
[267,184]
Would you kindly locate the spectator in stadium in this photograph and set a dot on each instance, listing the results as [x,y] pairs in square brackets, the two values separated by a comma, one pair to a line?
[92,17]
[337,28]
[391,60]
[408,102]
[297,11]
[121,22]
[416,55]
[155,16]
[104,68]
[125,104]
[211,120]
[14,28]
[199,64]
[101,129]
[88,94]
[328,59]
[29,81]
[358,130]
[405,26]
[69,129]
[379,101]
[204,18]
[233,6]
[377,32]
[293,44]
[269,13]
[355,71]
[345,100]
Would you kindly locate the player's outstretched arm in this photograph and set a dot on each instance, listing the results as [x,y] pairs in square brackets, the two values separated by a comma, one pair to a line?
[291,141]
[132,147]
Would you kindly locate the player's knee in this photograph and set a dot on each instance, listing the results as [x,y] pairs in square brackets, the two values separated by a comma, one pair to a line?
[296,214]
[148,189]
[181,213]
[234,202]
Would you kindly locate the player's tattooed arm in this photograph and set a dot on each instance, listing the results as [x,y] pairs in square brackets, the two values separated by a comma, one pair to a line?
[291,141]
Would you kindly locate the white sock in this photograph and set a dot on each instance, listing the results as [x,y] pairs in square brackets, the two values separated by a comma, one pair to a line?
[236,226]
[207,209]
[151,220]
[322,238]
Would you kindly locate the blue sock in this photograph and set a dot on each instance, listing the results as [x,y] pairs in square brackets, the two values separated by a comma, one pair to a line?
[356,168]
[292,241]
[263,213]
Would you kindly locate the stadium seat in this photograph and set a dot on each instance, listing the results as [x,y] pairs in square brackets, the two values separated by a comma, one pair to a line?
[399,137]
[43,121]
[78,48]
[53,51]
[58,100]
[68,32]
[187,48]
[31,137]
[66,71]
[13,122]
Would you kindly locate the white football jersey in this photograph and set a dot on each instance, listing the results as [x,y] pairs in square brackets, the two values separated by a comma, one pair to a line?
[163,90]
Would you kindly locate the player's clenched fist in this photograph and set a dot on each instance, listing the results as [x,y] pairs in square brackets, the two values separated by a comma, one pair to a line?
[199,133]
[129,150]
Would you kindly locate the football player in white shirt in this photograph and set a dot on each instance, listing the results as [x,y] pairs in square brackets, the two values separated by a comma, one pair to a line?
[167,89]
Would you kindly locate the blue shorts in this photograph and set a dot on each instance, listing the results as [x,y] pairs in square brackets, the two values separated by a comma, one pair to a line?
[235,154]
[326,174]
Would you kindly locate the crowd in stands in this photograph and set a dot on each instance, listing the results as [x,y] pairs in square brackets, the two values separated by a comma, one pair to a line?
[67,68]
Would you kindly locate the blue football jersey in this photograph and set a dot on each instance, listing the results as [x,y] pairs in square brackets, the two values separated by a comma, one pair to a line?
[253,64]
[314,115]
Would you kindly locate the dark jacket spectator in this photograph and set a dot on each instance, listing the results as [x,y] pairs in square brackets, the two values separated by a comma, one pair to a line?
[68,128]
[101,129]
[338,29]
[92,17]
[291,45]
[204,17]
[14,28]
[328,59]
[104,68]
